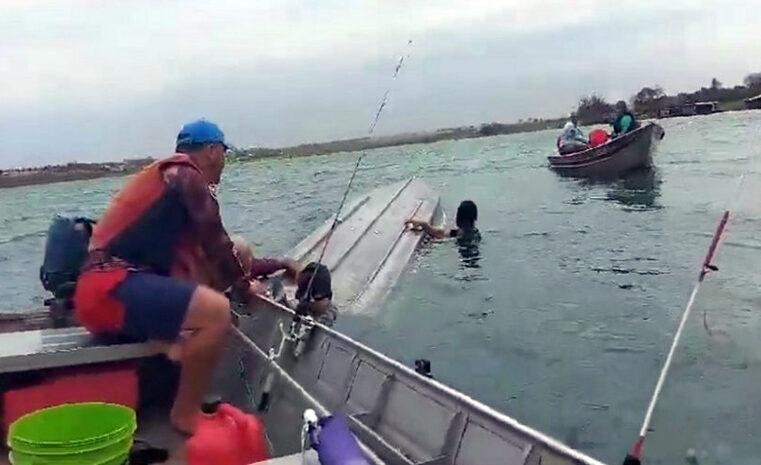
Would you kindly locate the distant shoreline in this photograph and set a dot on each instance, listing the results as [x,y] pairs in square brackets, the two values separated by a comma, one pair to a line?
[647,103]
[37,179]
[69,172]
[367,143]
[86,171]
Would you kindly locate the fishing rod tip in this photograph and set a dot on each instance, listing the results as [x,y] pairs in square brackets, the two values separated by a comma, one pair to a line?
[632,460]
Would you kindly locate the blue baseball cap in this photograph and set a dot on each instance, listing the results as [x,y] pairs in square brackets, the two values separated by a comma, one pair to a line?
[201,132]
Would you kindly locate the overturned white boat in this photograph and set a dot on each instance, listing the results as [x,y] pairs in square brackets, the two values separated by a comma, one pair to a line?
[369,249]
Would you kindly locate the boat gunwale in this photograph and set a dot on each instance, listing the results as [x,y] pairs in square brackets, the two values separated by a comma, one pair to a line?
[474,405]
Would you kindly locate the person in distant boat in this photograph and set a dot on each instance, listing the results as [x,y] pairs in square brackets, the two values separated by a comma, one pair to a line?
[625,121]
[159,261]
[467,214]
[572,138]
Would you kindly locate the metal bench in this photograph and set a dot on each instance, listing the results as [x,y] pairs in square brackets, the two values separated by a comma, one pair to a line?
[52,348]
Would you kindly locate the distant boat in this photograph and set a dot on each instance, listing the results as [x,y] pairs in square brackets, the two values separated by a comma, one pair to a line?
[753,103]
[618,156]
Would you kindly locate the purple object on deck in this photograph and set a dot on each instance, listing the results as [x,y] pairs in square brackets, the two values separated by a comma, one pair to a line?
[336,445]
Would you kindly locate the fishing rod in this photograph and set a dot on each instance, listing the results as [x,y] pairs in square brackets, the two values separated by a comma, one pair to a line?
[634,457]
[300,329]
[370,132]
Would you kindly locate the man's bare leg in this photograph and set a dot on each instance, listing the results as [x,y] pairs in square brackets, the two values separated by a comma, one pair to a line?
[206,322]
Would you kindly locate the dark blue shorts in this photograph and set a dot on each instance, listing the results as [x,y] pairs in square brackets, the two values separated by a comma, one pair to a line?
[154,305]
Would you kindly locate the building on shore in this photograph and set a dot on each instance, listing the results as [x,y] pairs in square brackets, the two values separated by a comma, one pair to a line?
[753,103]
[671,111]
[688,109]
[706,108]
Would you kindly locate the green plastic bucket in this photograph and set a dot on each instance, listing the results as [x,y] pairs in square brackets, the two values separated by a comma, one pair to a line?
[59,450]
[73,434]
[115,453]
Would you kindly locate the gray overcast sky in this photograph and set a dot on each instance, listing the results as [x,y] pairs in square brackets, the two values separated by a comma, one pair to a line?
[93,80]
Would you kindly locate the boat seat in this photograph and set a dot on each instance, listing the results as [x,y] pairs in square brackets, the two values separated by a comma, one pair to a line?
[52,348]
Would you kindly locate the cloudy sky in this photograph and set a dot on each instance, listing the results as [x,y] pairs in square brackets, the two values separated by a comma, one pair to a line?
[93,80]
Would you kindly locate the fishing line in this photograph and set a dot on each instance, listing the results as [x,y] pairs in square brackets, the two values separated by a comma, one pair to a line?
[635,455]
[370,132]
[734,200]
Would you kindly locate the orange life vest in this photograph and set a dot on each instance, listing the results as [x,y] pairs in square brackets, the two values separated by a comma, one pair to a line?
[139,202]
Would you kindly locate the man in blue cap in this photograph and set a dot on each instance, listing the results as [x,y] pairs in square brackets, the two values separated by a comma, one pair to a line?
[159,262]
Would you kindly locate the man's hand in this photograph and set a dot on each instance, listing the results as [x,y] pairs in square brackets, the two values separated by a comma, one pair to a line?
[248,289]
[258,287]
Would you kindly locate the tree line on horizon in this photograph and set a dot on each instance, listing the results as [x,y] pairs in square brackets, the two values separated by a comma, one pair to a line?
[593,109]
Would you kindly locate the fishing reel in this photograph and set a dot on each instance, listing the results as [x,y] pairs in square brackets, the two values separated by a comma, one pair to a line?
[301,329]
[301,325]
[297,336]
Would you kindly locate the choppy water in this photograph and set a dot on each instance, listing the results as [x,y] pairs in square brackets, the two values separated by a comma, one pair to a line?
[564,320]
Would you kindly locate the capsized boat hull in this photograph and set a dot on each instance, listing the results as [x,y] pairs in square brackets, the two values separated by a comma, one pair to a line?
[370,247]
[619,156]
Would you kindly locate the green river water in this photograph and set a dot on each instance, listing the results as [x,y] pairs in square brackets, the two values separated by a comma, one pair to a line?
[565,319]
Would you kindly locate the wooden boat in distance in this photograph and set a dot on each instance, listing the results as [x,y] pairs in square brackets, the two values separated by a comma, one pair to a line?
[625,153]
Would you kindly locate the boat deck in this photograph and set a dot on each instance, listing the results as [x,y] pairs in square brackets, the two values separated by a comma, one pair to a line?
[154,429]
[399,417]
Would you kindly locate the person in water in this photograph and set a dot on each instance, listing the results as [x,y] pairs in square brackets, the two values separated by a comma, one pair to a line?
[317,299]
[159,261]
[625,121]
[467,214]
[572,138]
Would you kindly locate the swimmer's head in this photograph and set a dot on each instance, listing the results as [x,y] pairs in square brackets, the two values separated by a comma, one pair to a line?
[467,214]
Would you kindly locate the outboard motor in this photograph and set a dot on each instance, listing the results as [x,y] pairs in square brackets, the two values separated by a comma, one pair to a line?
[65,253]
